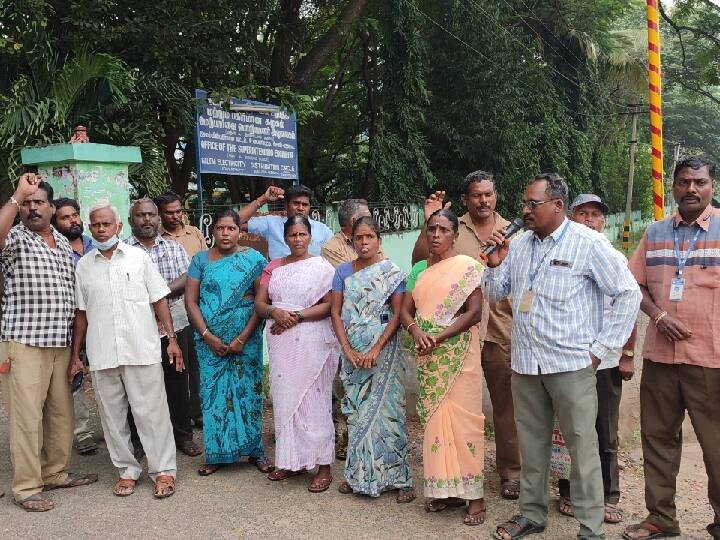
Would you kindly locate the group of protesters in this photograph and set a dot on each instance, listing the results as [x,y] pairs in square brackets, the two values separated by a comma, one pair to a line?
[171,333]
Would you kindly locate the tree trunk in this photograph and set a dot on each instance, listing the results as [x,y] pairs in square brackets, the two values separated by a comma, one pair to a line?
[284,36]
[328,44]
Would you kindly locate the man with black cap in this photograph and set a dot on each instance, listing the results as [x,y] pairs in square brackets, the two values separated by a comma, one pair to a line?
[589,209]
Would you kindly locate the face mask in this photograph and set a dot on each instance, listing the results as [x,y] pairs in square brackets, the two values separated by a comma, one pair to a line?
[107,244]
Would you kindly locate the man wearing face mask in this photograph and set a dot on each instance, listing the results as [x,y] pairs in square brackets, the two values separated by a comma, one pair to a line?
[172,261]
[118,288]
[68,223]
[38,306]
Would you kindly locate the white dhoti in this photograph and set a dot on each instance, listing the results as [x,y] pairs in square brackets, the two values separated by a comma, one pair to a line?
[144,388]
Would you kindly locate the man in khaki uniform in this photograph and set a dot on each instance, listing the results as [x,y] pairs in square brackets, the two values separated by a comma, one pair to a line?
[476,226]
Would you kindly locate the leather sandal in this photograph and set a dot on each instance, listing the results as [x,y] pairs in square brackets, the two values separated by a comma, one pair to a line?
[73,480]
[164,486]
[439,505]
[283,474]
[262,464]
[405,495]
[644,531]
[208,469]
[39,502]
[189,448]
[345,488]
[124,487]
[318,485]
[612,514]
[510,489]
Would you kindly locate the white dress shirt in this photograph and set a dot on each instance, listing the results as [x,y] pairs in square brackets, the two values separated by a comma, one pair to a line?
[116,295]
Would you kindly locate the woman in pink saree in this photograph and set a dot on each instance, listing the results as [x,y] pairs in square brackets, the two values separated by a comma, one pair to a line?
[294,294]
[441,310]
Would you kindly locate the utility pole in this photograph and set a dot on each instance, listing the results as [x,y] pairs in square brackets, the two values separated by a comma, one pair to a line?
[631,174]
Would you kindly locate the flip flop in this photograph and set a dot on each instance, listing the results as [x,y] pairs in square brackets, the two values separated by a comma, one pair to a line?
[262,464]
[565,502]
[510,489]
[653,531]
[345,488]
[283,474]
[518,527]
[611,509]
[405,495]
[439,505]
[477,518]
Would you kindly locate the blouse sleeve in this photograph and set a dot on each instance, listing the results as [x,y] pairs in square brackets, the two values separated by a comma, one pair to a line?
[341,272]
[268,270]
[400,288]
[418,269]
[195,270]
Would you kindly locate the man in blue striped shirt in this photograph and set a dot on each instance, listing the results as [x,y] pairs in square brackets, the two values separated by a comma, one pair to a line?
[557,274]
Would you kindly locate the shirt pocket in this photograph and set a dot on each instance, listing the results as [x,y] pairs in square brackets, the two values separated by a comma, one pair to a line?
[708,277]
[558,283]
[134,289]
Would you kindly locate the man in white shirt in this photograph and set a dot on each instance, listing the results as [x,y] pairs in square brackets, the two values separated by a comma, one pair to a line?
[115,285]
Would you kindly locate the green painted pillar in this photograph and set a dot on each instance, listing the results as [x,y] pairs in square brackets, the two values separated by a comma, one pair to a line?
[87,172]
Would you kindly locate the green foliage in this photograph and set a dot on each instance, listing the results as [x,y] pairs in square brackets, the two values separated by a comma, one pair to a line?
[407,95]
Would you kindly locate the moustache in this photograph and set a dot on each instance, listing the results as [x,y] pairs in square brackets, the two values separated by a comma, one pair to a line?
[690,198]
[33,215]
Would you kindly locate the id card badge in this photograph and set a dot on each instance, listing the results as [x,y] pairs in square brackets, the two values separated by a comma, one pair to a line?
[676,289]
[526,301]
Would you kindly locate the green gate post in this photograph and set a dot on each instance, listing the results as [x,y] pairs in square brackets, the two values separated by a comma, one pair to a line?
[87,172]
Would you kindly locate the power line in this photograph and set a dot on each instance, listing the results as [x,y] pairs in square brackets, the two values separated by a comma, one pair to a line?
[519,82]
[549,30]
[532,53]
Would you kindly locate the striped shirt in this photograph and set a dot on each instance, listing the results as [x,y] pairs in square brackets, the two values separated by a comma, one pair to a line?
[654,265]
[575,268]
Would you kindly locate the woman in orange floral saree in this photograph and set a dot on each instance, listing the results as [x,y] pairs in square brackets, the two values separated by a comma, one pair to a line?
[441,309]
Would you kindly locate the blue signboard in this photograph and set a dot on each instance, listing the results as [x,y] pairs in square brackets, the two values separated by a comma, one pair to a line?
[245,143]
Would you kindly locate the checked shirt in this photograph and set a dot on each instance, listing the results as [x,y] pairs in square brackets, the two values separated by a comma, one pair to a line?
[39,295]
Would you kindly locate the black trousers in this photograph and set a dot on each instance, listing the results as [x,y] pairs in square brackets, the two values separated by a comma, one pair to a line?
[609,392]
[177,390]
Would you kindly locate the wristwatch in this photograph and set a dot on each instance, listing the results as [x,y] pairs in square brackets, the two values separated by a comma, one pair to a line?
[628,352]
[299,315]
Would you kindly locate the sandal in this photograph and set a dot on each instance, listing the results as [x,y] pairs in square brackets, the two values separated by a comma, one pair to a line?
[164,486]
[517,527]
[476,518]
[208,469]
[612,514]
[318,485]
[39,502]
[510,489]
[345,488]
[565,507]
[262,463]
[438,505]
[124,487]
[74,480]
[283,474]
[644,531]
[189,448]
[405,495]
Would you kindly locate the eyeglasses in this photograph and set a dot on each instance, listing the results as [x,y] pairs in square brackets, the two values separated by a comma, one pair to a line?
[532,205]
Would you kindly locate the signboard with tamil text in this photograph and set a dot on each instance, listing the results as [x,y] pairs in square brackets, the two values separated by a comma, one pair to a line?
[245,143]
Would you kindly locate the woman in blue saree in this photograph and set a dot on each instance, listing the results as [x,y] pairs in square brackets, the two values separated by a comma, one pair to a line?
[219,297]
[365,311]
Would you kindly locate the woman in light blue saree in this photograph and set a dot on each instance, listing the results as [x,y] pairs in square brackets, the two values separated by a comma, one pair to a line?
[365,310]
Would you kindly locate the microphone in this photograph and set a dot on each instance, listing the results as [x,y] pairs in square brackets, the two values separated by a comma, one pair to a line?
[514,227]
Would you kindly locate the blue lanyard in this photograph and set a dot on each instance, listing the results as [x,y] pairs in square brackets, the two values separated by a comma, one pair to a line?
[534,273]
[681,261]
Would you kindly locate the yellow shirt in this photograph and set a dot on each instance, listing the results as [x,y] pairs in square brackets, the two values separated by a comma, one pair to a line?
[189,237]
[339,249]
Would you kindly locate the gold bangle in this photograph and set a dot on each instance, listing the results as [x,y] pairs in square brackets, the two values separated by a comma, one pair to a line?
[660,317]
[240,341]
[409,326]
[205,332]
